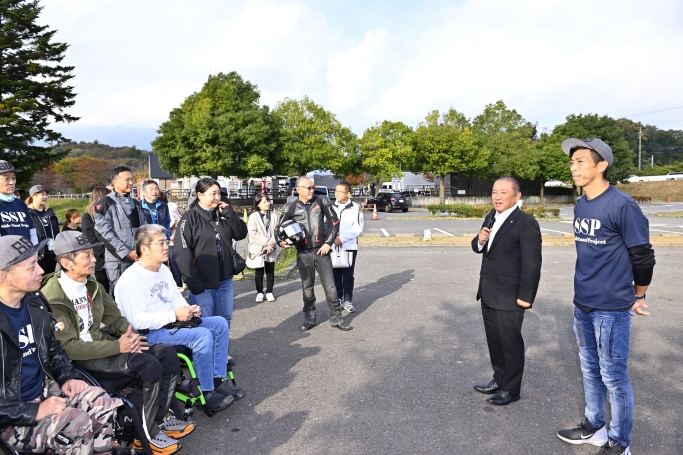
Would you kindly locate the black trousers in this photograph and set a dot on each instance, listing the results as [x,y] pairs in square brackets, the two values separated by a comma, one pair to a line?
[506,346]
[308,262]
[343,280]
[101,277]
[269,269]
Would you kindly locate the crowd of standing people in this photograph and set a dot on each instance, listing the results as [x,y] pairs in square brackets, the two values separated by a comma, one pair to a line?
[115,274]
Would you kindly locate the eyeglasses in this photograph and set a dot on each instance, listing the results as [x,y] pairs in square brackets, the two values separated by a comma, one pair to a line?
[309,188]
[161,243]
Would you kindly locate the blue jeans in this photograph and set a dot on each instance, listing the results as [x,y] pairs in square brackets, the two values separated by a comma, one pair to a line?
[604,338]
[209,344]
[216,302]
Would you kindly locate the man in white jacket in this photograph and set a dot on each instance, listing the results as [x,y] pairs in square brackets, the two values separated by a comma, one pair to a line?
[351,224]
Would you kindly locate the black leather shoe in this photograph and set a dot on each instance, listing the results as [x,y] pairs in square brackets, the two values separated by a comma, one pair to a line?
[503,398]
[216,402]
[491,387]
[344,326]
[306,326]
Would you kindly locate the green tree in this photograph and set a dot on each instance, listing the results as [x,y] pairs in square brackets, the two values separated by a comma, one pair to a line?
[508,137]
[587,126]
[445,143]
[221,130]
[83,173]
[552,163]
[313,139]
[34,90]
[387,149]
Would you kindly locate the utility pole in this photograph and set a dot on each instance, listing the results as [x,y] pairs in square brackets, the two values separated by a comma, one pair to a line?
[640,135]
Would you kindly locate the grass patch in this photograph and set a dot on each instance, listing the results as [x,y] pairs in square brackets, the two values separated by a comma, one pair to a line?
[60,206]
[658,191]
[284,259]
[671,214]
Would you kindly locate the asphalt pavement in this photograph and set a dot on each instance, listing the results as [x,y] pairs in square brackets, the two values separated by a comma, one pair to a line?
[416,222]
[401,381]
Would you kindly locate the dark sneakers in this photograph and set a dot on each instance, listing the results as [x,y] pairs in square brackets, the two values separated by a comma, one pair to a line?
[584,433]
[216,402]
[221,386]
[306,326]
[343,326]
[612,447]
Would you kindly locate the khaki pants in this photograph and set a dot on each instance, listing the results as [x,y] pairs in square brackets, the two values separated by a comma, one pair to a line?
[84,427]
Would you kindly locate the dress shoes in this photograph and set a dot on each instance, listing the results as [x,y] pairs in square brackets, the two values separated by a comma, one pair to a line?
[491,387]
[502,398]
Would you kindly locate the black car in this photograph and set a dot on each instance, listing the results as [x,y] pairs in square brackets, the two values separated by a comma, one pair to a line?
[389,202]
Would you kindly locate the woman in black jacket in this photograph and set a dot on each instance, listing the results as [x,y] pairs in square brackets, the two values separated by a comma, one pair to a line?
[88,224]
[203,249]
[47,226]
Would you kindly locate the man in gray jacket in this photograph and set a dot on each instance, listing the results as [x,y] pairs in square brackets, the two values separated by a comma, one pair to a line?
[117,219]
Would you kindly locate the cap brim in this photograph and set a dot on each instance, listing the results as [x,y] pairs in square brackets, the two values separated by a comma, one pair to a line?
[81,248]
[572,142]
[29,253]
[11,170]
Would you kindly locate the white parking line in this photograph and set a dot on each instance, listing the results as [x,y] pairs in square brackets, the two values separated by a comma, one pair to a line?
[384,231]
[670,232]
[444,232]
[551,230]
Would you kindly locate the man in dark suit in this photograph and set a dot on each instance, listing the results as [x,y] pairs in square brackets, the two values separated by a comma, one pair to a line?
[510,272]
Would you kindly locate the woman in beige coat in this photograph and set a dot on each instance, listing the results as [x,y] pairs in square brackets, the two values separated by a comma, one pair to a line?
[261,227]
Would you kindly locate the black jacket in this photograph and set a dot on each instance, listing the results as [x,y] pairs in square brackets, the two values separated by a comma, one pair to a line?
[43,233]
[53,360]
[511,266]
[319,221]
[195,246]
[88,225]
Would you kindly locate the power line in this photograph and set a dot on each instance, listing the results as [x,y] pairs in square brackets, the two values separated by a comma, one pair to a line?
[654,112]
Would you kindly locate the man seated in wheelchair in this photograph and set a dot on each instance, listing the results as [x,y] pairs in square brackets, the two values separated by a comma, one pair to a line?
[148,297]
[119,357]
[43,404]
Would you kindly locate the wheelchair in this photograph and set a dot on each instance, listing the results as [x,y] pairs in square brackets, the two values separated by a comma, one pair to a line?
[188,391]
[120,432]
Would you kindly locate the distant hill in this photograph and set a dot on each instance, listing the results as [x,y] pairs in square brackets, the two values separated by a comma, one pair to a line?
[117,136]
[132,157]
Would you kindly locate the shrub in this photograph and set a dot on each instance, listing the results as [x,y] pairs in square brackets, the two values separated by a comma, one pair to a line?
[541,211]
[460,210]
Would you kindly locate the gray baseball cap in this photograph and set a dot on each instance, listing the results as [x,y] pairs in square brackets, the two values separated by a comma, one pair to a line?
[72,241]
[6,166]
[36,189]
[15,248]
[597,145]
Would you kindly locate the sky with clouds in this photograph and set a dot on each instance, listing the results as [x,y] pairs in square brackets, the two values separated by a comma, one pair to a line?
[369,61]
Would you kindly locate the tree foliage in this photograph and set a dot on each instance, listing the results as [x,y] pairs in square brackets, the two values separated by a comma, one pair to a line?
[445,143]
[313,139]
[507,137]
[83,173]
[34,90]
[220,130]
[587,126]
[387,149]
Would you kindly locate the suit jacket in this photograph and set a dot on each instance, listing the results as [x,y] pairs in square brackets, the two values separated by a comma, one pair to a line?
[511,266]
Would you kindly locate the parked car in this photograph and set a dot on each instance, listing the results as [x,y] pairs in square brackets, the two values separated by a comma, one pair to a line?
[389,202]
[557,183]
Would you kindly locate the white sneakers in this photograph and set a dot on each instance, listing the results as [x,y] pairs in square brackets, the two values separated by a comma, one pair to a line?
[269,297]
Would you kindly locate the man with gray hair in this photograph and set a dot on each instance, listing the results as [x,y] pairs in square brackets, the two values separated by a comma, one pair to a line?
[44,404]
[149,299]
[319,221]
[156,212]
